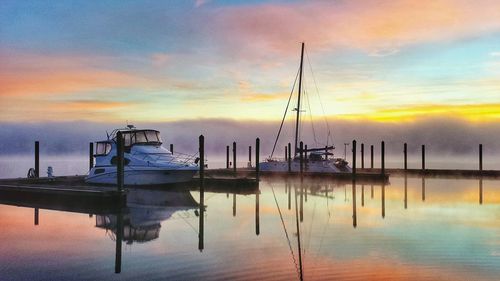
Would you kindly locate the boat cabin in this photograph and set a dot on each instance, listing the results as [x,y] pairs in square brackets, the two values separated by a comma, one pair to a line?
[145,137]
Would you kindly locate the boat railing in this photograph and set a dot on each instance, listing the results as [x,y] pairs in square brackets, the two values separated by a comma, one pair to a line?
[177,158]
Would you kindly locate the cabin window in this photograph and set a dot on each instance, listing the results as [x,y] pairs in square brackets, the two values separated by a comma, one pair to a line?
[152,136]
[140,137]
[102,148]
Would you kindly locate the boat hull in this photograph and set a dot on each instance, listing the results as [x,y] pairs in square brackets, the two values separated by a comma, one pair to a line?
[141,175]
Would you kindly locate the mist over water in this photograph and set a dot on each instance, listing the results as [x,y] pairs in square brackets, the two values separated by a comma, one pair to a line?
[450,143]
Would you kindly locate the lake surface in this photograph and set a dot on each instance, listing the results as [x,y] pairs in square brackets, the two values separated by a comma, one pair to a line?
[426,229]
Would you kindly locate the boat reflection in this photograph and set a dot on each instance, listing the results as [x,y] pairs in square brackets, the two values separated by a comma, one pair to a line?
[145,211]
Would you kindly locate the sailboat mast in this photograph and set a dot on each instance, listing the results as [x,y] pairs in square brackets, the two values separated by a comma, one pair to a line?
[298,99]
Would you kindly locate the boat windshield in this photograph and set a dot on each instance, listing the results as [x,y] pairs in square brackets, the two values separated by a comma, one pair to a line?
[102,148]
[151,137]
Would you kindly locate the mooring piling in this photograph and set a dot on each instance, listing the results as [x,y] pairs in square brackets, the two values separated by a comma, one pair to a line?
[289,157]
[119,161]
[201,151]
[201,226]
[286,153]
[423,157]
[405,153]
[37,159]
[234,157]
[305,152]
[227,157]
[91,155]
[382,158]
[301,158]
[480,157]
[249,156]
[371,156]
[172,148]
[353,158]
[362,156]
[257,159]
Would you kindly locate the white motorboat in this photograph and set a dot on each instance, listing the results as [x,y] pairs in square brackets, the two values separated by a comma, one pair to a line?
[146,161]
[315,160]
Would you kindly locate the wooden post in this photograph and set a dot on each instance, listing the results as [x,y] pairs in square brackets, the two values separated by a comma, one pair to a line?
[250,156]
[423,157]
[91,155]
[227,157]
[201,150]
[305,152]
[286,153]
[301,158]
[289,157]
[362,156]
[382,158]
[119,163]
[172,148]
[480,157]
[37,159]
[234,157]
[257,159]
[371,156]
[353,159]
[405,152]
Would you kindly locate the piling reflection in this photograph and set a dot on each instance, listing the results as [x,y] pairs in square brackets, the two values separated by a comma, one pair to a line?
[480,191]
[257,213]
[406,190]
[354,216]
[234,204]
[36,216]
[362,195]
[423,188]
[383,200]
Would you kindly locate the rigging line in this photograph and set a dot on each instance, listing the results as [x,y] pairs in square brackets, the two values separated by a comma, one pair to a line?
[284,115]
[306,94]
[319,97]
[284,227]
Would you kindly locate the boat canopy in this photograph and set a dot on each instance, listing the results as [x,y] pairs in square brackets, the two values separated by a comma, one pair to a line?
[148,137]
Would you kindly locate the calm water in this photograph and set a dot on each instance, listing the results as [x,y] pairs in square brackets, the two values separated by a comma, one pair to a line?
[434,229]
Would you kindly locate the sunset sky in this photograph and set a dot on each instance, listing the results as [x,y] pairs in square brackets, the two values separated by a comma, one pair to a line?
[111,61]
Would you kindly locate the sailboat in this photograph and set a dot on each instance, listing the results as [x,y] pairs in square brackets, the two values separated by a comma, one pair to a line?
[316,160]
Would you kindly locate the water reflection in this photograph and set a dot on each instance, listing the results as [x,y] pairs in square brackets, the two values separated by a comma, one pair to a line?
[423,242]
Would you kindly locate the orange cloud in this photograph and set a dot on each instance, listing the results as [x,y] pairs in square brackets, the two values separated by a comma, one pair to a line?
[379,27]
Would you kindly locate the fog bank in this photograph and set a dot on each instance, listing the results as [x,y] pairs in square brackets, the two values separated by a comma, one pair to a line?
[441,136]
